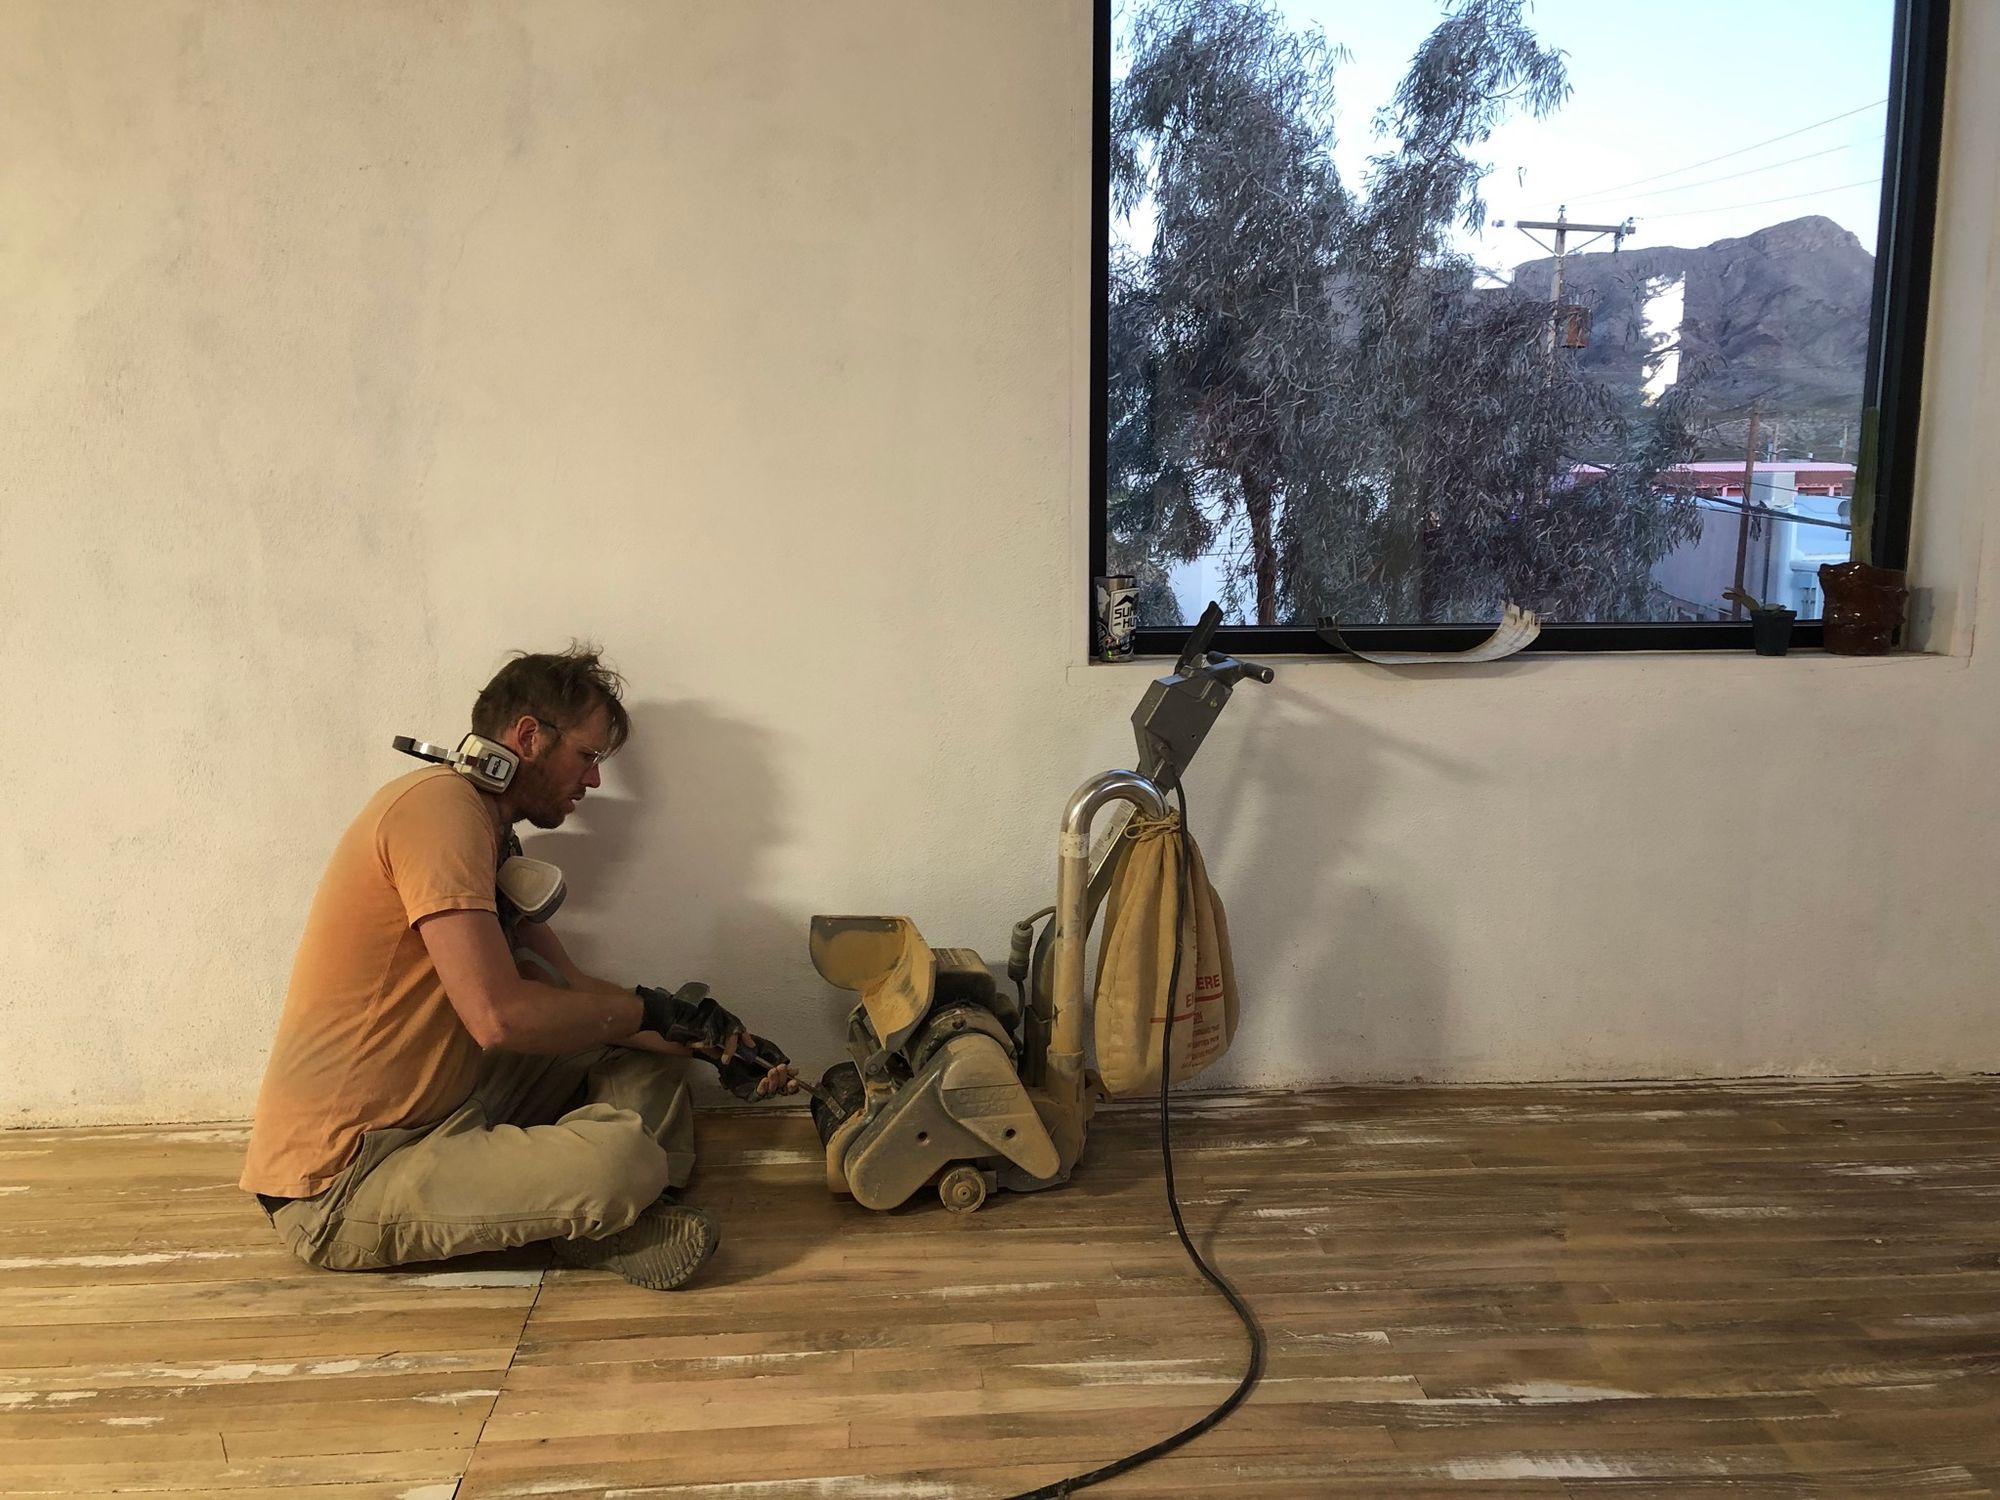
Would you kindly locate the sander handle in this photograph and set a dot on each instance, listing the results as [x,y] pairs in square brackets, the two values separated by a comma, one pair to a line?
[754,1053]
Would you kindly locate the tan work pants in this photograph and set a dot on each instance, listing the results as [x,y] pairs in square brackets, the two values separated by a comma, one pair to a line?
[571,1147]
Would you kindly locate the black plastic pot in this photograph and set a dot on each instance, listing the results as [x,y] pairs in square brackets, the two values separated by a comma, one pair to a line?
[1771,630]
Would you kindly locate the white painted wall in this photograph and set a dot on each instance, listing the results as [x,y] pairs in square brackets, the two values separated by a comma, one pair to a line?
[349,346]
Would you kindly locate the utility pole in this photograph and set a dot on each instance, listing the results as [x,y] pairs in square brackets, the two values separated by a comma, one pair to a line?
[1564,226]
[1743,526]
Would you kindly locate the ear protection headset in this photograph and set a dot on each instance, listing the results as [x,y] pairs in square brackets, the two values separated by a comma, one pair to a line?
[489,766]
[530,889]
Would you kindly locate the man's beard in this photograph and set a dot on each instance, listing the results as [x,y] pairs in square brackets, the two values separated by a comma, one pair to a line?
[543,805]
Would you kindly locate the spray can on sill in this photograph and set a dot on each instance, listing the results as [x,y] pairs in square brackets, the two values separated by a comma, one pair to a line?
[1117,616]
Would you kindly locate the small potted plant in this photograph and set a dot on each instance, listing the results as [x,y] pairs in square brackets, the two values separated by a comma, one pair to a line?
[1770,624]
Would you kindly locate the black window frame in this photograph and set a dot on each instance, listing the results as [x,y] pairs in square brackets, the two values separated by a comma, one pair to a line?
[1892,380]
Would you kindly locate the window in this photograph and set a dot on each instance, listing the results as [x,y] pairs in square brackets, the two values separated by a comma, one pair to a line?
[1407,312]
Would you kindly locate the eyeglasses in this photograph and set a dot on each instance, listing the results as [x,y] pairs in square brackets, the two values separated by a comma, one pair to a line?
[590,758]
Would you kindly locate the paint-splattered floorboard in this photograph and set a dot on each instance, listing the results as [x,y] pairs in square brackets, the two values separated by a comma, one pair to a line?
[1745,1290]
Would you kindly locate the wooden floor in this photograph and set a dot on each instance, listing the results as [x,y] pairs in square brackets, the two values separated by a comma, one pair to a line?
[1745,1290]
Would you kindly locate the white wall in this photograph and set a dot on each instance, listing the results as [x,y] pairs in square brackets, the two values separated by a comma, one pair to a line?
[349,346]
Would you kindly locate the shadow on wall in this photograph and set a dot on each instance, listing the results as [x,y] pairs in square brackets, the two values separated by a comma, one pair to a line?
[1342,976]
[666,875]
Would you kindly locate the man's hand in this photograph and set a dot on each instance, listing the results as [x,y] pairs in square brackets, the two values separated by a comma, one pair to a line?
[751,1069]
[690,1016]
[693,1018]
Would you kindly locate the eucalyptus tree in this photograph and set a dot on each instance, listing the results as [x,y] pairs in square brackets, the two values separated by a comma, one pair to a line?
[1223,354]
[1322,366]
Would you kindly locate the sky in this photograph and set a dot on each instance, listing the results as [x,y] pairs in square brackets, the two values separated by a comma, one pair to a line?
[1659,90]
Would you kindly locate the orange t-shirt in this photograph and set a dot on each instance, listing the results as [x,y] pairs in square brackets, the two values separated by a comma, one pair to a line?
[368,1040]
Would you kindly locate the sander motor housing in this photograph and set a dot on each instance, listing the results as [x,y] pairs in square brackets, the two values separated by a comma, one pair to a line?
[933,1091]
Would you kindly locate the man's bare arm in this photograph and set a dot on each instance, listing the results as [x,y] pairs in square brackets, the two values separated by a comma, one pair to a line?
[539,939]
[502,1009]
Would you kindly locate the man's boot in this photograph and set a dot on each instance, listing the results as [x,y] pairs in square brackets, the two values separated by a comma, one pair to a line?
[660,1250]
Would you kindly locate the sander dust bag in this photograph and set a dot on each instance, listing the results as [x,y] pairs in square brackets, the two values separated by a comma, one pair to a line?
[1136,959]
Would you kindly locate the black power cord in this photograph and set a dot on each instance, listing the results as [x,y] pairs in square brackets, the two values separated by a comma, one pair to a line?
[1064,1487]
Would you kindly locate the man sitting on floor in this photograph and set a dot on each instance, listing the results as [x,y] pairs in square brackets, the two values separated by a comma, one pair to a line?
[424,1097]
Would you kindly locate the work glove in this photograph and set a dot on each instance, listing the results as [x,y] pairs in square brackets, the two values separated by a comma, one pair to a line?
[689,1015]
[698,1021]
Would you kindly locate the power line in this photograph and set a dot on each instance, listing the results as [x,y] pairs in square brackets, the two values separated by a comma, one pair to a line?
[1751,171]
[1710,161]
[1734,508]
[1562,225]
[1723,208]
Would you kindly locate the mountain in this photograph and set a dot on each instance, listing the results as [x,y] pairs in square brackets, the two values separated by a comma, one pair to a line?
[1779,317]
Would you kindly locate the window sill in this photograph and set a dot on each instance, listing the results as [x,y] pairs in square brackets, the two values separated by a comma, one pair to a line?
[1812,660]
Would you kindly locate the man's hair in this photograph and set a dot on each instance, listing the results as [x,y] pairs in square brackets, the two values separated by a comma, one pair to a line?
[561,688]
